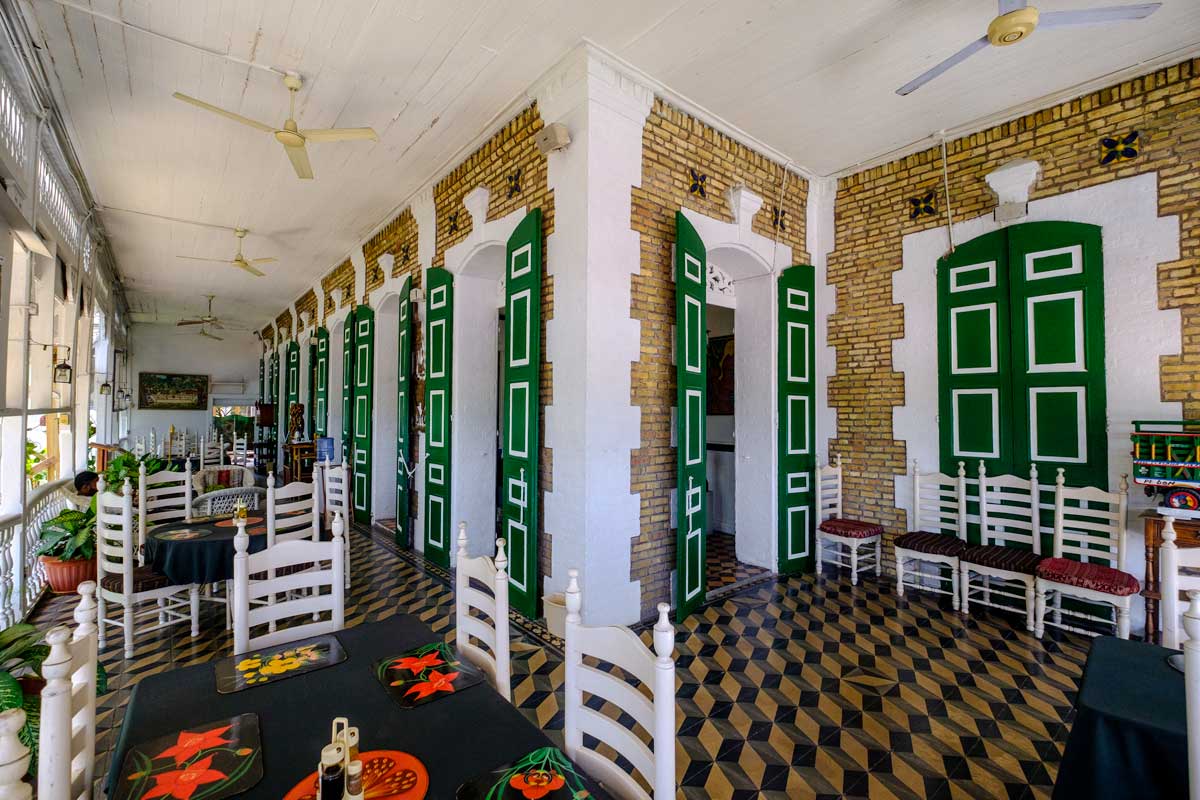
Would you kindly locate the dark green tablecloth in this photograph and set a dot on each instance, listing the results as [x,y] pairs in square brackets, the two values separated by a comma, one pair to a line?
[457,737]
[1129,738]
[208,558]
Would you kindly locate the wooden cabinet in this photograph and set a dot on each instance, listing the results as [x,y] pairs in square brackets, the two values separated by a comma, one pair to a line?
[1187,534]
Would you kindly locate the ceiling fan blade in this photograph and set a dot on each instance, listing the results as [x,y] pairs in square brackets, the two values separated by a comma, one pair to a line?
[246,266]
[959,57]
[1096,16]
[262,126]
[210,336]
[270,260]
[212,260]
[1008,6]
[339,134]
[216,323]
[300,162]
[190,322]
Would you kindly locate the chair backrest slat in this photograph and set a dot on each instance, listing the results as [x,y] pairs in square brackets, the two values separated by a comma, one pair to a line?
[163,496]
[940,502]
[292,511]
[115,554]
[482,616]
[1008,509]
[829,489]
[1089,523]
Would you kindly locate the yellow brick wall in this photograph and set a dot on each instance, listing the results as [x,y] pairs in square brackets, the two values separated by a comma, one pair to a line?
[399,238]
[340,277]
[872,217]
[512,148]
[308,304]
[673,144]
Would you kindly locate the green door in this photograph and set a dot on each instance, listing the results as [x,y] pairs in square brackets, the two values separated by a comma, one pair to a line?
[347,386]
[321,382]
[439,328]
[522,361]
[797,418]
[274,387]
[262,379]
[403,402]
[1058,350]
[364,369]
[292,383]
[975,375]
[691,340]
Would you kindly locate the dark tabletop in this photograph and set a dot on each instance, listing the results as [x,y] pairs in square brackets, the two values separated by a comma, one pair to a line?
[206,557]
[456,737]
[1129,738]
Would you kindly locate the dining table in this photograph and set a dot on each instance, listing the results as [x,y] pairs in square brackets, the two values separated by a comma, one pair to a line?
[1129,736]
[457,736]
[200,550]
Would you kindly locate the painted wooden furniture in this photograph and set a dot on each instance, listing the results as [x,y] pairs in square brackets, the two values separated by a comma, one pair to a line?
[1010,547]
[1089,558]
[320,593]
[938,534]
[623,649]
[162,497]
[298,460]
[67,729]
[212,452]
[851,534]
[239,451]
[125,584]
[492,628]
[1191,683]
[1187,535]
[292,511]
[336,484]
[1179,569]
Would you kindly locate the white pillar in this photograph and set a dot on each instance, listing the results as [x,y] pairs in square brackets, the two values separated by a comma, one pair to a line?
[425,215]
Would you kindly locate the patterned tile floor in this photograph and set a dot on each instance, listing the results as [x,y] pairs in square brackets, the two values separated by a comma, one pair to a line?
[801,687]
[722,567]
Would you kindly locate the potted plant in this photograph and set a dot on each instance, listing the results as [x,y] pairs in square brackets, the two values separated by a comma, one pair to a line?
[67,549]
[125,465]
[22,651]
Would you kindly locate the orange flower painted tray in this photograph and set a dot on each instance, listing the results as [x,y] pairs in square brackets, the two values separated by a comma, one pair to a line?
[425,673]
[214,760]
[387,775]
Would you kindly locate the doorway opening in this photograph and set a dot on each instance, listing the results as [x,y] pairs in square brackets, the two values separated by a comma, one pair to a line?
[385,404]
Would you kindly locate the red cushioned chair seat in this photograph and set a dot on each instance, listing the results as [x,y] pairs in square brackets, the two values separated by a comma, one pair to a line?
[998,557]
[144,579]
[852,528]
[1096,577]
[934,544]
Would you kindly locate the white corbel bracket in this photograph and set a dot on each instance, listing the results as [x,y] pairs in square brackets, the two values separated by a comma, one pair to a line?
[1011,184]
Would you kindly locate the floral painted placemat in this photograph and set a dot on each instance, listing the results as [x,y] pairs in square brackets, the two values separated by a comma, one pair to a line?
[237,673]
[425,673]
[544,774]
[387,775]
[213,760]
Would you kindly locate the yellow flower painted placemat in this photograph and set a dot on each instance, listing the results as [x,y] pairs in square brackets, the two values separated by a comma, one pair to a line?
[277,663]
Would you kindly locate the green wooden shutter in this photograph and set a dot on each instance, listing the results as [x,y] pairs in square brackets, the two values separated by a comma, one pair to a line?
[403,403]
[974,372]
[347,386]
[1058,350]
[275,395]
[310,401]
[364,384]
[691,404]
[797,417]
[292,382]
[321,381]
[262,379]
[522,361]
[439,343]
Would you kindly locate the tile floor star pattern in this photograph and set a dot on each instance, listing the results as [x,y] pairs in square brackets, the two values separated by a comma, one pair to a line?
[801,687]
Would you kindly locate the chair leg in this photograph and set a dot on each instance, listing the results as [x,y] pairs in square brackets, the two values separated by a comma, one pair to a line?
[878,555]
[1039,612]
[100,637]
[1123,619]
[1058,608]
[853,564]
[818,554]
[987,589]
[128,619]
[955,600]
[194,600]
[899,574]
[964,581]
[162,613]
[1030,603]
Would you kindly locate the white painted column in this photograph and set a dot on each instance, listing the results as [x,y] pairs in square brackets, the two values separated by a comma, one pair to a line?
[592,427]
[360,276]
[819,234]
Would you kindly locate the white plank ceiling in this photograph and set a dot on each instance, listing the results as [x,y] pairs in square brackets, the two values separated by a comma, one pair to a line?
[811,78]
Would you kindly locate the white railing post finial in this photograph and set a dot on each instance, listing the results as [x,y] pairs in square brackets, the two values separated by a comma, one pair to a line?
[664,704]
[462,541]
[54,736]
[241,584]
[14,757]
[341,571]
[1168,568]
[500,591]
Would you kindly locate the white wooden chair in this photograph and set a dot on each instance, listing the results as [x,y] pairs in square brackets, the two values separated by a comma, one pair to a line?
[139,445]
[490,624]
[852,534]
[124,583]
[937,536]
[239,451]
[1179,568]
[163,497]
[336,480]
[292,511]
[1089,559]
[67,734]
[1191,687]
[252,600]
[623,649]
[1010,548]
[212,453]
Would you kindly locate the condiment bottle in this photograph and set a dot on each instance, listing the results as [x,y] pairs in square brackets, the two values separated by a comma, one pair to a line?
[354,789]
[351,744]
[332,782]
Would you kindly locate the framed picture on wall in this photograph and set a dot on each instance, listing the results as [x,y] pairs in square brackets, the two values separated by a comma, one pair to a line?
[720,375]
[166,391]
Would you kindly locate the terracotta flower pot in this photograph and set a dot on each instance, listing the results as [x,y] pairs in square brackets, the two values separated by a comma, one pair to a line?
[64,577]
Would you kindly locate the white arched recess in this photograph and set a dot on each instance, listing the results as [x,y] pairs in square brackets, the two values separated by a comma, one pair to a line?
[477,264]
[1135,240]
[385,403]
[753,263]
[336,325]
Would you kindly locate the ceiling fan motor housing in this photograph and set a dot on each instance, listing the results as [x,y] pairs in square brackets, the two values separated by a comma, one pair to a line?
[1012,27]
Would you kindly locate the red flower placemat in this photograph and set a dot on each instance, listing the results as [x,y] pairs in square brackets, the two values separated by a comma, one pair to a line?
[387,775]
[544,774]
[216,760]
[425,673]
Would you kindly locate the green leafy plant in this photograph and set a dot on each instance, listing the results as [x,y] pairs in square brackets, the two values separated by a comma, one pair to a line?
[70,536]
[34,455]
[125,465]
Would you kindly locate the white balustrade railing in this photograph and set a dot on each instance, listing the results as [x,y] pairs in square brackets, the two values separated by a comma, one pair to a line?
[43,504]
[10,605]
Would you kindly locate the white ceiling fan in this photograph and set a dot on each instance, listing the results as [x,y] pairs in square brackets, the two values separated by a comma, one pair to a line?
[1017,19]
[204,332]
[239,261]
[204,319]
[291,136]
